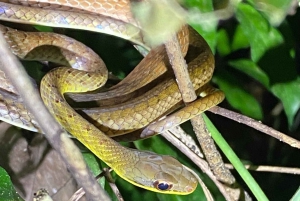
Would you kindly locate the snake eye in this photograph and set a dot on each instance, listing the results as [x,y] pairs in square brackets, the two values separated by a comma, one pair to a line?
[162,185]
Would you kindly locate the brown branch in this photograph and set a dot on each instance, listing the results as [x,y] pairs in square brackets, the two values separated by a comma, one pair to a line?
[256,125]
[56,136]
[180,70]
[210,151]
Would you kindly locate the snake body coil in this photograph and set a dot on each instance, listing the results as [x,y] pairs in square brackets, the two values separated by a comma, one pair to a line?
[145,169]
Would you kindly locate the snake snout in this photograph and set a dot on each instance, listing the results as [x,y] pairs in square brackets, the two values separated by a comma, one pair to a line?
[185,180]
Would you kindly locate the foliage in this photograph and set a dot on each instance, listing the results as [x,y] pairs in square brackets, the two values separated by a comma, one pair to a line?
[7,190]
[255,50]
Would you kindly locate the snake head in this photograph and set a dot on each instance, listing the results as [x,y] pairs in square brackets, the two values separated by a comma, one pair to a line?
[162,174]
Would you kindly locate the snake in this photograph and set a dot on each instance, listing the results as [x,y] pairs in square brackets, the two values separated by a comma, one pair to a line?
[158,173]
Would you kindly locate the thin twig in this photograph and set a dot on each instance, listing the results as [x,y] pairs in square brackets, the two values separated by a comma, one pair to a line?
[56,136]
[80,192]
[112,183]
[187,140]
[256,125]
[77,195]
[265,168]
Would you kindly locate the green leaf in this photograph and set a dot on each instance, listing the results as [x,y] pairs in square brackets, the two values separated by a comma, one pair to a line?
[223,45]
[207,28]
[289,94]
[278,62]
[132,192]
[296,196]
[256,28]
[195,196]
[92,162]
[156,144]
[275,10]
[240,41]
[94,165]
[202,5]
[7,190]
[43,28]
[238,97]
[250,68]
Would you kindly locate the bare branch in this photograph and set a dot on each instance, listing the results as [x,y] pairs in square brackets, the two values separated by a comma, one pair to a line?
[256,125]
[80,192]
[112,183]
[77,195]
[265,168]
[187,140]
[210,151]
[180,70]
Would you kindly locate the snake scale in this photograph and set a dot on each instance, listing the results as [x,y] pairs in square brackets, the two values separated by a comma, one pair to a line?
[148,170]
